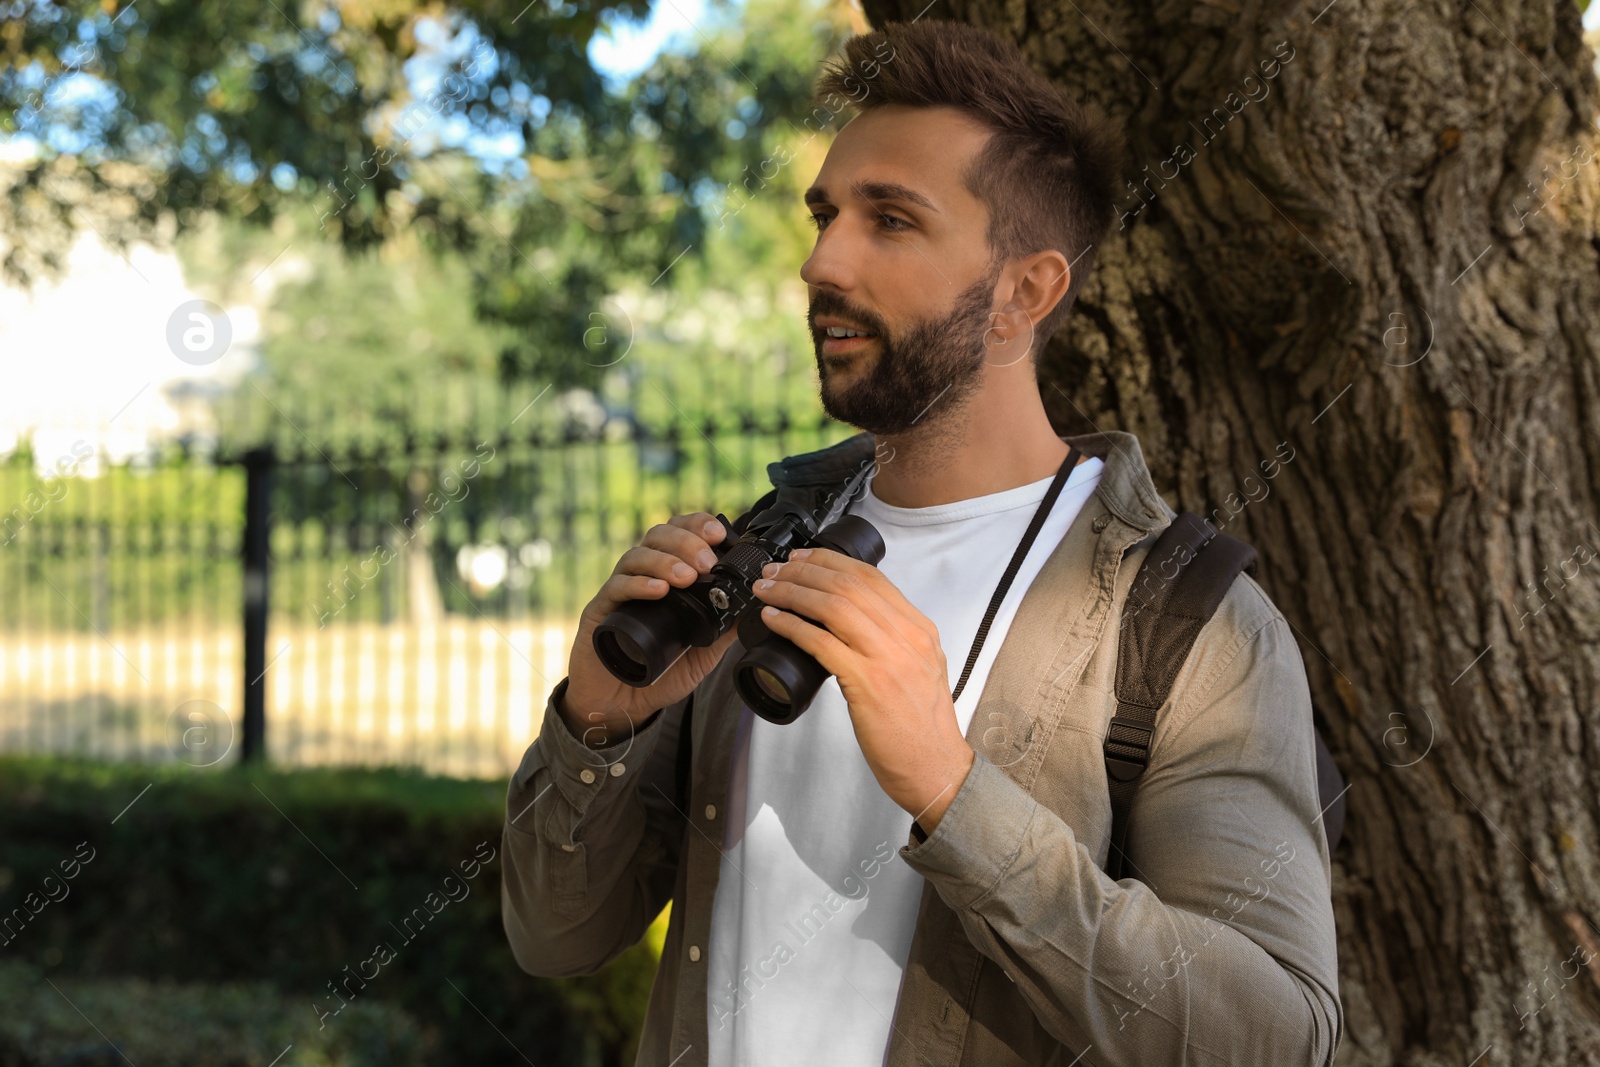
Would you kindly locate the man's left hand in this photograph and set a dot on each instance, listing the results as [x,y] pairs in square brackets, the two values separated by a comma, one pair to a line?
[890,666]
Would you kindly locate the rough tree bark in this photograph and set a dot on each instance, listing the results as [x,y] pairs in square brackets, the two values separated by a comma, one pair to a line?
[1383,258]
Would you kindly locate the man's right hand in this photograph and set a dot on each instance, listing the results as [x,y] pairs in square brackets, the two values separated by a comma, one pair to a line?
[600,709]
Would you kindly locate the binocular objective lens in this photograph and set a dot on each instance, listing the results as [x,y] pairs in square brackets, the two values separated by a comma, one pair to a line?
[629,647]
[770,685]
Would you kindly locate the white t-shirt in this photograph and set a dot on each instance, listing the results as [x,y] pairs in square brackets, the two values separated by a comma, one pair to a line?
[814,910]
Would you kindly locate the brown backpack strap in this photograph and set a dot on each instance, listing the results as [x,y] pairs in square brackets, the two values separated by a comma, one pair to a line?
[1183,578]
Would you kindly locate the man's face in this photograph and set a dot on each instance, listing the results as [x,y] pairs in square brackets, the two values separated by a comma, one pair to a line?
[914,275]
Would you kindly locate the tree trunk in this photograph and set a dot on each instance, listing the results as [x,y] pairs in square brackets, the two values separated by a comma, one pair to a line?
[1378,268]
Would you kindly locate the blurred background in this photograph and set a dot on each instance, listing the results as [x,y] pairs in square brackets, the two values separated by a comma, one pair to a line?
[343,349]
[346,344]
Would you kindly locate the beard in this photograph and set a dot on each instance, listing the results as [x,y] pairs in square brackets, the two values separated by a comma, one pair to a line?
[932,361]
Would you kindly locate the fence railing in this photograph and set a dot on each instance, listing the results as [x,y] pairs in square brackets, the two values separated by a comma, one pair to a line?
[409,602]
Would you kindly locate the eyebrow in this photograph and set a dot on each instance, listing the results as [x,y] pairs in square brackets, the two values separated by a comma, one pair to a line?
[869,190]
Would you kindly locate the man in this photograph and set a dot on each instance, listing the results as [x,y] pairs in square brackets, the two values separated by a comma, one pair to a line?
[911,872]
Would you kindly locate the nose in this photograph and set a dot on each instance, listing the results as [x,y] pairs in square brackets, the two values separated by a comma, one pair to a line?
[830,265]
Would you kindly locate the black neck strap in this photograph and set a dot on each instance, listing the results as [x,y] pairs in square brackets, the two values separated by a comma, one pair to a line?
[1016,563]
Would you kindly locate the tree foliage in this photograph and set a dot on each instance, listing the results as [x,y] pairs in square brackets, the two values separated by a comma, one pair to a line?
[478,130]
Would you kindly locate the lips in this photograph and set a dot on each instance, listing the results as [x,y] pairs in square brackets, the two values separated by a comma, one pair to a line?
[840,346]
[844,346]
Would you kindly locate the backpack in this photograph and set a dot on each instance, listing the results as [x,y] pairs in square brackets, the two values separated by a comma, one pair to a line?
[1157,635]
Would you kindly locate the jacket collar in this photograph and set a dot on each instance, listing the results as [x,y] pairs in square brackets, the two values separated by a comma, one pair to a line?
[1126,488]
[825,466]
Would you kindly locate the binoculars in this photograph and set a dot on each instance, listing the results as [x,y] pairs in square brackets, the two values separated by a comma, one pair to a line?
[642,638]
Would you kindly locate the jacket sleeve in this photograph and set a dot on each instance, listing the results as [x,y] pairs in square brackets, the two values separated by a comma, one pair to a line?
[1224,953]
[591,843]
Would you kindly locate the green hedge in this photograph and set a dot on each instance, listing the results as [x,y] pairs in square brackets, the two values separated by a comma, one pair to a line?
[47,1022]
[288,878]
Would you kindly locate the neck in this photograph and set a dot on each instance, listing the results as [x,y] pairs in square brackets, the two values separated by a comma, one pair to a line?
[994,442]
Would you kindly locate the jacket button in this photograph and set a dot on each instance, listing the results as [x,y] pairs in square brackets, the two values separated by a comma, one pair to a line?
[694,953]
[711,811]
[617,769]
[1100,523]
[587,775]
[569,848]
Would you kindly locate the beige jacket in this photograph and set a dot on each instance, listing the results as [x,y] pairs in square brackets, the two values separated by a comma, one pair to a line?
[1024,951]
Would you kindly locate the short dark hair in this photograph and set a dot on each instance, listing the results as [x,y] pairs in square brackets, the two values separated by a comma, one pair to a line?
[1047,175]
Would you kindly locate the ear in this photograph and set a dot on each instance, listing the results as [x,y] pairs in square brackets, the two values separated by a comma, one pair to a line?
[1041,280]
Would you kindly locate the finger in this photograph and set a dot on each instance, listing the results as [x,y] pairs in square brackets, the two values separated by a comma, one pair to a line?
[620,588]
[655,563]
[866,572]
[703,524]
[685,537]
[834,655]
[834,611]
[828,580]
[896,609]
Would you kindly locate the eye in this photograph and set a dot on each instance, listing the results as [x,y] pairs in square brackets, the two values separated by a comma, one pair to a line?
[892,223]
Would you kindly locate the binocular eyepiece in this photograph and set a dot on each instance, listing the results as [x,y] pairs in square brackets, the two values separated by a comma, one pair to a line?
[642,638]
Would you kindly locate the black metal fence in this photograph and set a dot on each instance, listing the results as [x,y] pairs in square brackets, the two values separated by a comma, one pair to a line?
[323,600]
